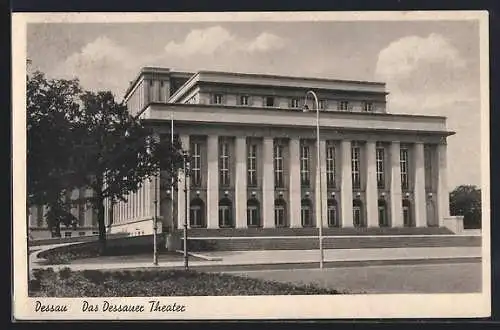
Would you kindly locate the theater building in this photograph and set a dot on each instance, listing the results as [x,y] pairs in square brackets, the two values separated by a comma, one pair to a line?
[253,155]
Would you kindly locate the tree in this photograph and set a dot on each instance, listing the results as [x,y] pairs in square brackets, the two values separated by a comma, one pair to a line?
[465,200]
[50,105]
[116,153]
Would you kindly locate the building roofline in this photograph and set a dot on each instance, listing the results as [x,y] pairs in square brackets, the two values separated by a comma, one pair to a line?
[354,113]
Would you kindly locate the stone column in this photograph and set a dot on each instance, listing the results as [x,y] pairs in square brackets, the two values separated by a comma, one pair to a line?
[419,186]
[294,184]
[182,203]
[442,191]
[240,187]
[213,182]
[346,184]
[323,197]
[396,193]
[371,185]
[268,183]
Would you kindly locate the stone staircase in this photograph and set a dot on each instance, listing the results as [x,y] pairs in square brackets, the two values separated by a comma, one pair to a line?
[201,239]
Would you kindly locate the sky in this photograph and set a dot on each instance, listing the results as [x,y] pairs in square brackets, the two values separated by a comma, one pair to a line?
[430,67]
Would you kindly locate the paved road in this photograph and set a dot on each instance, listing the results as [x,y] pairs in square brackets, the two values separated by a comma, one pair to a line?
[438,278]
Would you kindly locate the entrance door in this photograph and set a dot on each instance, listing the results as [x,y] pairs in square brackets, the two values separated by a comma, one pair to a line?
[356,214]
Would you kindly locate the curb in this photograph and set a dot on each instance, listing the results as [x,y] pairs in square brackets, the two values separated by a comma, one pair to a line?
[201,256]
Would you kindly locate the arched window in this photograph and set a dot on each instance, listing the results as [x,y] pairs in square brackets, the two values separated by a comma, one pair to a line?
[332,214]
[306,212]
[225,213]
[357,213]
[280,219]
[382,213]
[197,213]
[253,213]
[407,218]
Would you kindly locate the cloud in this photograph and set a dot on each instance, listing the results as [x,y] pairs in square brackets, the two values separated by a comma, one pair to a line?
[406,55]
[101,64]
[215,39]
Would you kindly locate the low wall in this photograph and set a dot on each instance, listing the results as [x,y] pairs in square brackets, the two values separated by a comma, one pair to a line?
[454,223]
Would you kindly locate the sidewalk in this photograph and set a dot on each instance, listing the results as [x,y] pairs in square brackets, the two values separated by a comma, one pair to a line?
[238,258]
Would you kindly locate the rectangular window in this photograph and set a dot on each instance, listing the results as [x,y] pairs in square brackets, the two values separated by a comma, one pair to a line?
[380,168]
[217,99]
[367,106]
[295,103]
[330,166]
[279,216]
[322,104]
[269,101]
[404,168]
[278,166]
[304,165]
[355,163]
[343,105]
[224,165]
[253,216]
[332,216]
[252,165]
[196,164]
[244,100]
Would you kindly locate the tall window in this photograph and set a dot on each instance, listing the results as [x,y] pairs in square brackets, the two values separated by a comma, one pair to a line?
[343,105]
[330,166]
[295,103]
[355,163]
[367,106]
[196,213]
[196,164]
[357,214]
[305,213]
[269,101]
[253,216]
[404,167]
[382,214]
[252,165]
[380,167]
[278,166]
[244,100]
[407,219]
[217,99]
[304,165]
[225,213]
[280,213]
[224,165]
[322,104]
[333,220]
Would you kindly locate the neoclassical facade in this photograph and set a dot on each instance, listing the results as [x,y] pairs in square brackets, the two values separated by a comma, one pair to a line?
[253,155]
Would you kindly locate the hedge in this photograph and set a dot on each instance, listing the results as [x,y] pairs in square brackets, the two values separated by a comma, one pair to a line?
[149,283]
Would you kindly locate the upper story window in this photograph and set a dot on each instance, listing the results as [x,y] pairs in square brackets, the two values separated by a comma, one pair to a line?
[343,105]
[304,165]
[244,100]
[322,104]
[367,106]
[196,164]
[252,165]
[295,103]
[217,99]
[224,164]
[355,163]
[403,159]
[330,166]
[278,166]
[269,101]
[380,167]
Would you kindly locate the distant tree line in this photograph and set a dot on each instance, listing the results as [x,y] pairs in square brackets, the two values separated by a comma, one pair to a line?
[465,200]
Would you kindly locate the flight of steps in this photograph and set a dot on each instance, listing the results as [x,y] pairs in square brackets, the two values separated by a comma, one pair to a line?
[201,239]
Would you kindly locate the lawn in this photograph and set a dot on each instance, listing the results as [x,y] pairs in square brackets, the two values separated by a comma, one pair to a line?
[150,283]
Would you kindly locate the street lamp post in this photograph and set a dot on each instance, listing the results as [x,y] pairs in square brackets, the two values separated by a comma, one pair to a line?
[318,165]
[186,175]
[155,224]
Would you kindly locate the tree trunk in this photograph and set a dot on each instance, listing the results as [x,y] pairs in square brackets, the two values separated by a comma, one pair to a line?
[100,220]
